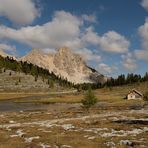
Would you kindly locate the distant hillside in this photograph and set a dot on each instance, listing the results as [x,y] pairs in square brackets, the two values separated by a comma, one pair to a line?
[22,76]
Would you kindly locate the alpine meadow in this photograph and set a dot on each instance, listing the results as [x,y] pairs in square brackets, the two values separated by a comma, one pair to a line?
[73,74]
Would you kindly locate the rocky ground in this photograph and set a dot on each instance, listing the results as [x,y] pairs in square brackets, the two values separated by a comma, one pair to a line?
[74,128]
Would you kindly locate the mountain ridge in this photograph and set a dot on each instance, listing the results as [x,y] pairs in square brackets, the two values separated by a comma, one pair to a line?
[65,64]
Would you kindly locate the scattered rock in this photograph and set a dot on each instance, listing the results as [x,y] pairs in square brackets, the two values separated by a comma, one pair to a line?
[122,133]
[110,144]
[126,142]
[85,136]
[66,146]
[91,138]
[68,126]
[13,136]
[11,121]
[44,145]
[20,133]
[28,140]
[143,146]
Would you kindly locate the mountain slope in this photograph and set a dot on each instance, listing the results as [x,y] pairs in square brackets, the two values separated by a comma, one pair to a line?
[65,64]
[22,76]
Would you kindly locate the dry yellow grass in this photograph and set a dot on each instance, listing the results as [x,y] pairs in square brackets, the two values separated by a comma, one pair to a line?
[7,96]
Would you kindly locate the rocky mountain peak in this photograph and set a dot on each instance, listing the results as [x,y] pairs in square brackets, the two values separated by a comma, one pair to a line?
[66,64]
[35,51]
[64,50]
[67,61]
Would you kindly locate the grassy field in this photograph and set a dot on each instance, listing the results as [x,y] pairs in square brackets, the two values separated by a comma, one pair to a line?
[114,95]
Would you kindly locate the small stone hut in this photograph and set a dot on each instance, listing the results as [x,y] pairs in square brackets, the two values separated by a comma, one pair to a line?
[134,94]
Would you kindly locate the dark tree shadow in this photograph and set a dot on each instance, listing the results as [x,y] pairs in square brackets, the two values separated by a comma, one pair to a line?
[143,122]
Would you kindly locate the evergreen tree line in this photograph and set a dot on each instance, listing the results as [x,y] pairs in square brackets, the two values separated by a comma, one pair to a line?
[36,71]
[9,63]
[129,79]
[119,81]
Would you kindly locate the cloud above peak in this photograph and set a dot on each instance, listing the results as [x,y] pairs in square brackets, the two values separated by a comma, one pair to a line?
[107,69]
[66,29]
[129,62]
[114,42]
[62,30]
[20,12]
[143,32]
[144,4]
[109,42]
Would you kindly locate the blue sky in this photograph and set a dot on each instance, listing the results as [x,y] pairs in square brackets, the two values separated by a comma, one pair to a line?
[111,35]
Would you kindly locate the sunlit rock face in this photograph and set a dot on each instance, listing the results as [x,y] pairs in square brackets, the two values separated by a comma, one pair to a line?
[65,64]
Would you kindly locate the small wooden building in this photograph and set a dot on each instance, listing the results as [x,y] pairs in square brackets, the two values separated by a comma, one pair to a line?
[134,94]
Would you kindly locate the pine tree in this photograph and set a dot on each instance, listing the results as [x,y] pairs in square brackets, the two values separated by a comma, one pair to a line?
[89,99]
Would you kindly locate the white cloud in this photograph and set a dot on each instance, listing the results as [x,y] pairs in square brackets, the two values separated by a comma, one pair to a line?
[144,4]
[91,37]
[8,48]
[88,55]
[129,63]
[114,42]
[142,54]
[66,29]
[63,30]
[20,12]
[143,32]
[49,50]
[89,18]
[110,41]
[106,69]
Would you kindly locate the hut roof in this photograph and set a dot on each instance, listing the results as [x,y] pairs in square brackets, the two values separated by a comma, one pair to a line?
[136,91]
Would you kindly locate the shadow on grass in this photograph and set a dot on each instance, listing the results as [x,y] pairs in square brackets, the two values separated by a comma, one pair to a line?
[143,122]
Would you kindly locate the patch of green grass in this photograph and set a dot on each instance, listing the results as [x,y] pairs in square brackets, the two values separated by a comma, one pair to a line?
[56,99]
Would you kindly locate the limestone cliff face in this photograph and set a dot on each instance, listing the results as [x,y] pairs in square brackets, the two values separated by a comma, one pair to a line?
[39,58]
[65,60]
[65,64]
